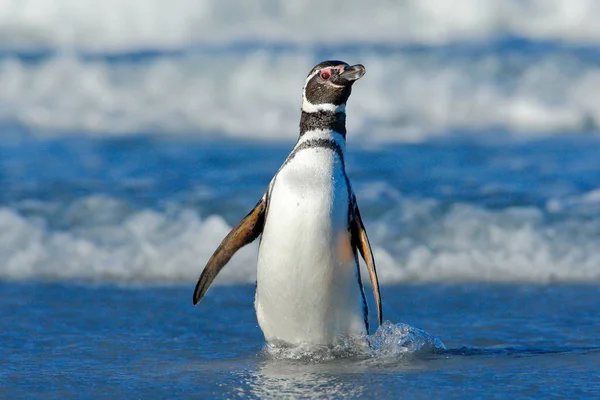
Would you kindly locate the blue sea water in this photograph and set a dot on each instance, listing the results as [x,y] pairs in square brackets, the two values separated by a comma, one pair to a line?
[105,341]
[133,137]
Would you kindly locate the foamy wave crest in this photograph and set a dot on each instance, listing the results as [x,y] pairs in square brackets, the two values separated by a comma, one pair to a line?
[145,246]
[430,242]
[415,241]
[257,95]
[132,24]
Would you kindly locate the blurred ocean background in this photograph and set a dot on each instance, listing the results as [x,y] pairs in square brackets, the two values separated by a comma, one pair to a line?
[134,134]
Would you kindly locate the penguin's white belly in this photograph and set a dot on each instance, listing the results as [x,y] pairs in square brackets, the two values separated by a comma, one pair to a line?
[307,284]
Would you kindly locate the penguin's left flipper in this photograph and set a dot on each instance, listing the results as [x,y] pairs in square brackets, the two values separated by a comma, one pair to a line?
[245,232]
[360,240]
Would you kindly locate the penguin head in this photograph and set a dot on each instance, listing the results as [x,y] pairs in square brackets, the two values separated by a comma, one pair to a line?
[329,85]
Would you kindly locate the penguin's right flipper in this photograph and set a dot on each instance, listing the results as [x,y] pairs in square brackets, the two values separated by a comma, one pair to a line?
[245,232]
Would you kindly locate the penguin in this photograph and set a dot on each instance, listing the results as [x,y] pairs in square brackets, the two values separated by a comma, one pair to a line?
[308,286]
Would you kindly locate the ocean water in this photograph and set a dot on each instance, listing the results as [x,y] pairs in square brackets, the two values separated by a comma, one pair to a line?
[134,135]
[105,341]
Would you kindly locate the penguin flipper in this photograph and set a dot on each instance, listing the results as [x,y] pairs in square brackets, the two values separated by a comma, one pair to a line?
[360,240]
[245,232]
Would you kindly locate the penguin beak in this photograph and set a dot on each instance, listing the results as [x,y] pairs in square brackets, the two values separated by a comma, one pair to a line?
[351,74]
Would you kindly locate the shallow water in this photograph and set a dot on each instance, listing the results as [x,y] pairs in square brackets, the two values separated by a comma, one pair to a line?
[101,341]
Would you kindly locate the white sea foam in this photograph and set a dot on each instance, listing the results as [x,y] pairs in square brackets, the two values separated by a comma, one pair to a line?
[145,247]
[132,24]
[258,95]
[417,241]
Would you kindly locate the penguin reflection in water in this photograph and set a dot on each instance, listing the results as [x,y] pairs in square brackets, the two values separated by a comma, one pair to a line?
[308,288]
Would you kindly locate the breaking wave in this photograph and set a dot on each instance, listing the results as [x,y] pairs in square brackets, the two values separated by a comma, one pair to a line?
[258,96]
[219,69]
[416,241]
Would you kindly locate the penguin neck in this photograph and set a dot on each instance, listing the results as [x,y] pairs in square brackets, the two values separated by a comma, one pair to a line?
[323,121]
[321,128]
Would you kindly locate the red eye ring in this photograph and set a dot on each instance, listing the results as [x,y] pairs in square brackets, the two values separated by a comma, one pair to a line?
[325,75]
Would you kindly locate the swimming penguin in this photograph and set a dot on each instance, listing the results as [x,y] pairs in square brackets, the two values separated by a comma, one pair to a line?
[308,288]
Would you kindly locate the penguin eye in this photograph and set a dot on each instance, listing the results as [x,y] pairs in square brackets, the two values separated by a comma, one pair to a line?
[325,75]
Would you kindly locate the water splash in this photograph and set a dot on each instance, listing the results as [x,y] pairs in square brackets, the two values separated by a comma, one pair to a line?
[399,340]
[391,342]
